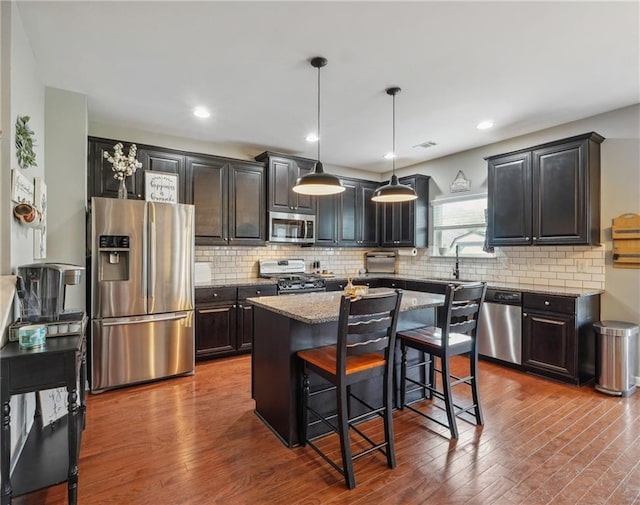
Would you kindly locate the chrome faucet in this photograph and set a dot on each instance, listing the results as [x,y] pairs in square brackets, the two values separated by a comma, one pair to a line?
[456,270]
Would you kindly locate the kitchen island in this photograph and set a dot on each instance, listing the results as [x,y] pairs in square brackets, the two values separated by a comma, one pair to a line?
[284,325]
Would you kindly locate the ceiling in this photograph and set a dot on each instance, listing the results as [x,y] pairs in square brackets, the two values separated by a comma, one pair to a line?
[525,65]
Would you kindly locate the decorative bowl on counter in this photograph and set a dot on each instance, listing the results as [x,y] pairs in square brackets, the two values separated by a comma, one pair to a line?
[356,291]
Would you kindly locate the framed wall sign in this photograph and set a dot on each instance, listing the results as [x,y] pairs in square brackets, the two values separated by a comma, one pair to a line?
[21,188]
[40,234]
[160,187]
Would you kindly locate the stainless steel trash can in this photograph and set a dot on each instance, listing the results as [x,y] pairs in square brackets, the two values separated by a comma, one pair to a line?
[616,357]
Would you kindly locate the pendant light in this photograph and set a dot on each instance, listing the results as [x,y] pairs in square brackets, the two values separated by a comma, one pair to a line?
[318,182]
[394,191]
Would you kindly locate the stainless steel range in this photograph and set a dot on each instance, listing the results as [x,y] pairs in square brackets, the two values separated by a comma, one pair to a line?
[290,276]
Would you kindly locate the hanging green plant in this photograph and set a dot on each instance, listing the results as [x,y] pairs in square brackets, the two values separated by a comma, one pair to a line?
[24,143]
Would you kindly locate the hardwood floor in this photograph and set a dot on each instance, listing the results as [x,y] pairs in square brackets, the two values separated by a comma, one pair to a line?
[195,440]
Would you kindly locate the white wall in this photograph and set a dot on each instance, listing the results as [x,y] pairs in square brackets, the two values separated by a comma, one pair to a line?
[5,151]
[27,99]
[66,155]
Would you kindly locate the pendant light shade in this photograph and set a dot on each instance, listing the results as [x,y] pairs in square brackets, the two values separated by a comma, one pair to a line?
[394,191]
[318,182]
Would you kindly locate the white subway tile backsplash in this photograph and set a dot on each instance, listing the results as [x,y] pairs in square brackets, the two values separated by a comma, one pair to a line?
[554,266]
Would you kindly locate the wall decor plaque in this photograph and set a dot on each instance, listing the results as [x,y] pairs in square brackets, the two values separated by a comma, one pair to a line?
[460,183]
[160,187]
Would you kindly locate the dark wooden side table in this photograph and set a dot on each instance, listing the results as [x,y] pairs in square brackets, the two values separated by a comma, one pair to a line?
[48,457]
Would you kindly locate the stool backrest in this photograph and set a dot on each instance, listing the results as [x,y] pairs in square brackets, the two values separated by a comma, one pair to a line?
[462,306]
[368,324]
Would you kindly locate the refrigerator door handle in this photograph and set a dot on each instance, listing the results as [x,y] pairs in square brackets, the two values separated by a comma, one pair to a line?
[174,316]
[145,247]
[152,257]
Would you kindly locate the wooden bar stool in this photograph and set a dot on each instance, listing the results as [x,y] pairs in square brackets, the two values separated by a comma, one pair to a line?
[456,336]
[365,347]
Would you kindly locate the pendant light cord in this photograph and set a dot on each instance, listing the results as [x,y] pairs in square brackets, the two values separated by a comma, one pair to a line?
[318,113]
[393,160]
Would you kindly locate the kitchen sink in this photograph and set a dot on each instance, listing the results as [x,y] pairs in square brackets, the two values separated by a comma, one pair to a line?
[443,279]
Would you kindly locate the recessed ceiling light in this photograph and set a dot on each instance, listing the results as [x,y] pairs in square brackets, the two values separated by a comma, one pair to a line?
[312,137]
[389,156]
[484,125]
[201,112]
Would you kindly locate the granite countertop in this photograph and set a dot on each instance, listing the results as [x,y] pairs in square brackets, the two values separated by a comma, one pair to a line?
[314,308]
[509,286]
[236,283]
[544,290]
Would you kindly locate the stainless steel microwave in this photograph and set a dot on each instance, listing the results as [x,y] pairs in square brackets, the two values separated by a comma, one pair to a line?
[292,228]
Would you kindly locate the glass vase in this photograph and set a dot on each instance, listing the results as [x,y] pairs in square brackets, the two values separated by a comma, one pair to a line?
[122,190]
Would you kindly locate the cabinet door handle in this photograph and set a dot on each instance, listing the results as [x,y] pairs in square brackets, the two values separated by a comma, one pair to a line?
[211,311]
[546,303]
[215,295]
[534,238]
[526,238]
[258,291]
[524,314]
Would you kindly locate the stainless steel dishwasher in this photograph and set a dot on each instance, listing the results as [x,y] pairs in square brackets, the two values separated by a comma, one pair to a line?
[500,332]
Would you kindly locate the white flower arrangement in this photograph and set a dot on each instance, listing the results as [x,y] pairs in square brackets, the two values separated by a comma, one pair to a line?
[123,166]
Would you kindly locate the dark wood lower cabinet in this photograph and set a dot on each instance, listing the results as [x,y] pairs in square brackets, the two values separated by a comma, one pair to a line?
[224,319]
[550,343]
[215,321]
[245,313]
[558,340]
[215,330]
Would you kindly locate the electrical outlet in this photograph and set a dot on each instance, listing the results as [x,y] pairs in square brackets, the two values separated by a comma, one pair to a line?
[581,265]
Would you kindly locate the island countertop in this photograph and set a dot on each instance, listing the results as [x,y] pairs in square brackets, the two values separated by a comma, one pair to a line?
[323,307]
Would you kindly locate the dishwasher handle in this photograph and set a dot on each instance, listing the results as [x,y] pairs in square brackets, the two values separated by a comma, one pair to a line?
[504,297]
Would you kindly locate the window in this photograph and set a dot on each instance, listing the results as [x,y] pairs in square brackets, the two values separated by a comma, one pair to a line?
[460,222]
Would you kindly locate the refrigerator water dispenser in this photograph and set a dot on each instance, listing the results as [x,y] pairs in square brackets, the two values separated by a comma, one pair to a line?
[114,258]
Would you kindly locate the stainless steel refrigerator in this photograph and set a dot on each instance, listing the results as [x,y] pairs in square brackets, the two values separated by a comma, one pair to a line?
[142,262]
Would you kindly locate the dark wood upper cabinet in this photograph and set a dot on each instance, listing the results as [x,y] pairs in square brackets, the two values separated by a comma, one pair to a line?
[509,207]
[405,224]
[208,191]
[100,175]
[348,227]
[163,161]
[367,215]
[247,203]
[357,215]
[349,219]
[327,210]
[229,196]
[547,194]
[283,172]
